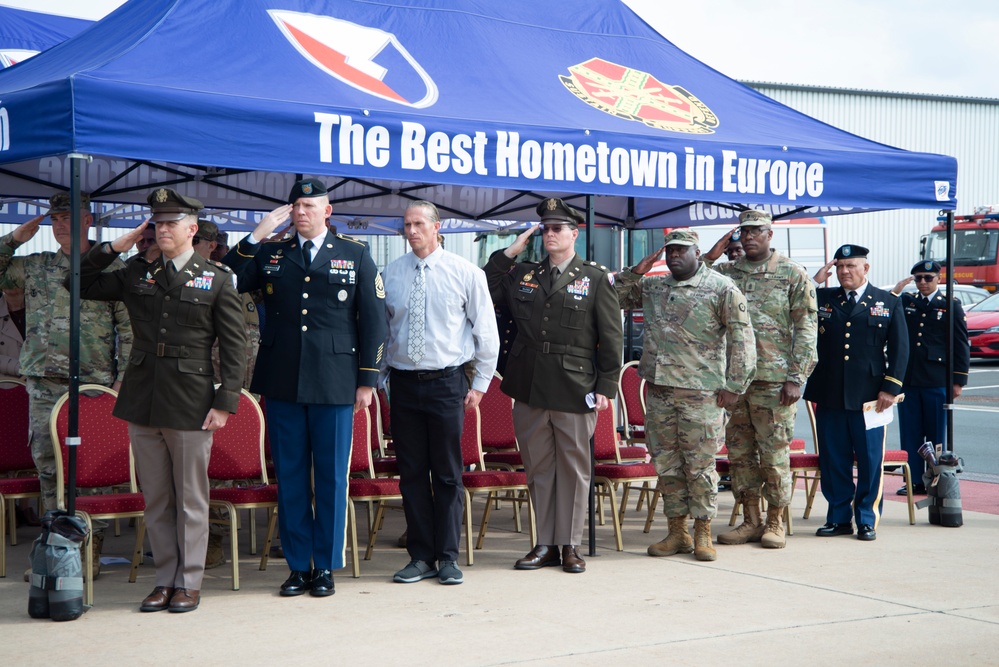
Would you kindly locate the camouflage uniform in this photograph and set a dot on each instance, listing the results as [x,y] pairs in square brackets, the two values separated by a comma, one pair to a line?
[252,340]
[782,308]
[105,342]
[698,340]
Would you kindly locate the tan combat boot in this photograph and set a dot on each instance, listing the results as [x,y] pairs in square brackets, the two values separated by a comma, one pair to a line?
[751,528]
[773,536]
[678,541]
[702,540]
[215,556]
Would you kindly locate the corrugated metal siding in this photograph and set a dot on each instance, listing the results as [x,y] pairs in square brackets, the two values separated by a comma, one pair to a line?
[965,128]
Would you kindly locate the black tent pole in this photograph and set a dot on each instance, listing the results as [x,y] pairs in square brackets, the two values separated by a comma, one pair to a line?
[72,431]
[949,384]
[591,513]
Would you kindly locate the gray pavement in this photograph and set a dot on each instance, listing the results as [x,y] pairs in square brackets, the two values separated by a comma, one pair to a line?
[918,595]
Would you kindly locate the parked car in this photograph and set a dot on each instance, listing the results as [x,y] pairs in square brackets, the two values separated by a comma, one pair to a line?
[983,327]
[969,295]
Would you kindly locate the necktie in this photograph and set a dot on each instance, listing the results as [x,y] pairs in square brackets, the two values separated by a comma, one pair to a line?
[852,299]
[926,301]
[307,253]
[171,272]
[555,273]
[418,315]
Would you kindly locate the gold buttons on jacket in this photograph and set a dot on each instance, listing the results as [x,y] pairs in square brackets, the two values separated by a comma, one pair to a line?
[305,328]
[305,295]
[307,278]
[305,312]
[846,358]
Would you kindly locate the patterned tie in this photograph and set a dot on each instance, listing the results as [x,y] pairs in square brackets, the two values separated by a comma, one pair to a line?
[418,315]
[307,253]
[852,299]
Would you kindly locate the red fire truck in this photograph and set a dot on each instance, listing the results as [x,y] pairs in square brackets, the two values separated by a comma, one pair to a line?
[976,247]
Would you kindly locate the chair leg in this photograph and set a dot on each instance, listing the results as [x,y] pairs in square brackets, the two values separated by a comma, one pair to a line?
[352,531]
[375,527]
[3,537]
[271,523]
[612,495]
[140,536]
[468,528]
[493,496]
[252,516]
[811,495]
[88,561]
[652,510]
[907,476]
[624,501]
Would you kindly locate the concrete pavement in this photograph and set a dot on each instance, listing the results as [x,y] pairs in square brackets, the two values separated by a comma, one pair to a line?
[918,595]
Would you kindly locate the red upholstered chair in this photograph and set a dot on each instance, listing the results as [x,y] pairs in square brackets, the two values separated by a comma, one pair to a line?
[15,459]
[238,456]
[607,477]
[499,441]
[631,390]
[476,478]
[364,487]
[383,464]
[103,459]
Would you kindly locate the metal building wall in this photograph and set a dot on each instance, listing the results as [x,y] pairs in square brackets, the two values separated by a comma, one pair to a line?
[965,128]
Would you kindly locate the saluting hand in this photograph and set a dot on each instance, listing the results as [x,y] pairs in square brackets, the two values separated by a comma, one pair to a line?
[645,265]
[126,241]
[520,243]
[25,232]
[718,248]
[823,274]
[900,285]
[271,221]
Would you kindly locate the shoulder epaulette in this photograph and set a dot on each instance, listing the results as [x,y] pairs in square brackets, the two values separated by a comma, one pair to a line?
[351,239]
[220,265]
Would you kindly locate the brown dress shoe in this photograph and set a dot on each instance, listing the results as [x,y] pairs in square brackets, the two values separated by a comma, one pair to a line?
[185,599]
[571,562]
[540,556]
[158,600]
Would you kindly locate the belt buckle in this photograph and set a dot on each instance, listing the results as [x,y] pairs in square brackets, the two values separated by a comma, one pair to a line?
[545,347]
[160,349]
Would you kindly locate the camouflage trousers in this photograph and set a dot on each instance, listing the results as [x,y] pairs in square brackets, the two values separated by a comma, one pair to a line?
[43,394]
[759,440]
[685,429]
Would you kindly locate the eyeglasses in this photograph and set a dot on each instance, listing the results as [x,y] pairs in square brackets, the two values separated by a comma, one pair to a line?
[554,229]
[753,231]
[925,277]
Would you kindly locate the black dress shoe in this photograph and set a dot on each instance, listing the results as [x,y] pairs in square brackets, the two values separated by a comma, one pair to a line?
[297,583]
[322,583]
[541,556]
[833,529]
[866,533]
[917,490]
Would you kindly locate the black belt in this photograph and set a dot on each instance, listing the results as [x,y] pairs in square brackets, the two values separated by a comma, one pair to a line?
[180,351]
[557,348]
[424,376]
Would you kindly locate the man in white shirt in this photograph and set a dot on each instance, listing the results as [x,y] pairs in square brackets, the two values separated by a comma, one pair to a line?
[440,318]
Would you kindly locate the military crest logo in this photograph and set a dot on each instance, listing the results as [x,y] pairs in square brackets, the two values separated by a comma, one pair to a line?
[161,195]
[635,95]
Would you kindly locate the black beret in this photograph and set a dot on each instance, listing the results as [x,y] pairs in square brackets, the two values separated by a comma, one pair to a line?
[849,251]
[307,187]
[926,266]
[556,209]
[168,205]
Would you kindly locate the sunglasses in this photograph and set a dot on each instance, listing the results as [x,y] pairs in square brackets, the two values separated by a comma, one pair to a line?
[925,278]
[554,229]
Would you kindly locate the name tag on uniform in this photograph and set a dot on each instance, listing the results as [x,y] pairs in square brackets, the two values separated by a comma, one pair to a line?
[144,286]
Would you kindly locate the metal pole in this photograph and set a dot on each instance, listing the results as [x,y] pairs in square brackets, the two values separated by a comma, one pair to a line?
[591,506]
[950,331]
[73,430]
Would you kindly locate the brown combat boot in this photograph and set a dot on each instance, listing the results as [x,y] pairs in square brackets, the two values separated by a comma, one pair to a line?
[702,540]
[773,536]
[678,541]
[751,528]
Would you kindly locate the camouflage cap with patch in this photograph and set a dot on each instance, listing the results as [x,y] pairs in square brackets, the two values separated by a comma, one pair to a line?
[168,205]
[556,209]
[61,202]
[208,230]
[754,218]
[685,236]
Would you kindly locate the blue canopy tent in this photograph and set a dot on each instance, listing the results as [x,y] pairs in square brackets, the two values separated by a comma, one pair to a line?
[25,33]
[483,107]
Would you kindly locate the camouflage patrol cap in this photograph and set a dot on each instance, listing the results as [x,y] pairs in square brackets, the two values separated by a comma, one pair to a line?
[208,230]
[169,205]
[556,209]
[754,218]
[60,202]
[851,251]
[684,236]
[307,187]
[926,266]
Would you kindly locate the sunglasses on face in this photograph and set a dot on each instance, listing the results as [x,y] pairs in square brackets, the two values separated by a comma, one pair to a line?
[925,278]
[554,229]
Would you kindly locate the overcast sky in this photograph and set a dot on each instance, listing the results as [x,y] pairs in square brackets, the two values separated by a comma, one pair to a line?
[940,47]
